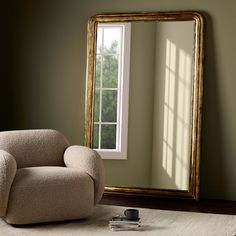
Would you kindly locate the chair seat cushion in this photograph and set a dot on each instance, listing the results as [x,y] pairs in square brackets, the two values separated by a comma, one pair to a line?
[43,194]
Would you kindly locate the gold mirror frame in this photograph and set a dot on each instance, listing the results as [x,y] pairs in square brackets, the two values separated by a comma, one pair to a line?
[194,176]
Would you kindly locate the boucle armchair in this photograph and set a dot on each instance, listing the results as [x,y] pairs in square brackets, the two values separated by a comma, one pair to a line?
[43,179]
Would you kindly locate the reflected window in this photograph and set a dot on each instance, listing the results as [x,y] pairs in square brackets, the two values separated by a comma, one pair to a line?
[111,90]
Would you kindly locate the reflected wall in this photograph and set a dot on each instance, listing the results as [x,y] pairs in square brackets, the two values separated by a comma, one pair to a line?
[172,105]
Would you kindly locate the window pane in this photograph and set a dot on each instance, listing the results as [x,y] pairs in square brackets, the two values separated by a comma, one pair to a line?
[95,136]
[98,71]
[109,105]
[96,105]
[110,71]
[108,136]
[112,39]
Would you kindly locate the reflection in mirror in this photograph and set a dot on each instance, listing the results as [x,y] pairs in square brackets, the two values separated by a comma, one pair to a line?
[111,90]
[162,121]
[172,99]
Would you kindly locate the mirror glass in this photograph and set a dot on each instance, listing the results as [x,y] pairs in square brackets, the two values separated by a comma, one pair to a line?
[164,114]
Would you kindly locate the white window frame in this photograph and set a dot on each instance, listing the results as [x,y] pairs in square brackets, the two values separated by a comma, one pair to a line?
[122,97]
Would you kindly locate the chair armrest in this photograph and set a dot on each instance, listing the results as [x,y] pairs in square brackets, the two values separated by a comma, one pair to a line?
[88,160]
[8,169]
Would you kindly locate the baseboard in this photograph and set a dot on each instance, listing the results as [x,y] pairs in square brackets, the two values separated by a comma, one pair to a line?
[203,205]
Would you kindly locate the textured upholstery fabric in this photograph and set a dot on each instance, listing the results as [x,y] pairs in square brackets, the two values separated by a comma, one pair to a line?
[34,147]
[7,174]
[42,194]
[35,184]
[84,158]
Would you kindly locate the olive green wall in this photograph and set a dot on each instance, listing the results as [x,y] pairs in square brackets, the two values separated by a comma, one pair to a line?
[47,66]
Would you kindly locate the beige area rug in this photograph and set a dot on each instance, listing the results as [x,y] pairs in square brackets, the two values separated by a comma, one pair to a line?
[154,222]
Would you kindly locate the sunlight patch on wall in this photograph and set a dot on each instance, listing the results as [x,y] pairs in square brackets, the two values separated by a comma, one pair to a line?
[177,102]
[169,103]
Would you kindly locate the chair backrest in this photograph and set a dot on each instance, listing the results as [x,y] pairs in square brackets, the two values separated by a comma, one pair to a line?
[41,147]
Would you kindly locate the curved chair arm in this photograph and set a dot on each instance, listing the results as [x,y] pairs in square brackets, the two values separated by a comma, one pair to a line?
[88,160]
[8,169]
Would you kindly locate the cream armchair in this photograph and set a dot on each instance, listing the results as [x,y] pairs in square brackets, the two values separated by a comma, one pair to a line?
[44,179]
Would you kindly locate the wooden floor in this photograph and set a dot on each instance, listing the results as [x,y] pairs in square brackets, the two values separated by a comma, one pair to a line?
[203,206]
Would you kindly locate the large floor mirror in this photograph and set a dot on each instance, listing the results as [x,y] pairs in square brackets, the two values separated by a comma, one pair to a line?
[162,56]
